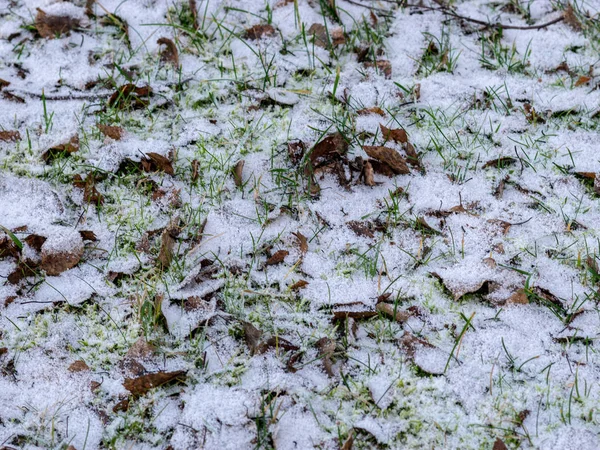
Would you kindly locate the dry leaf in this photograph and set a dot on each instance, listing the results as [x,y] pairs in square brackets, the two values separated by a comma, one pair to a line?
[277,258]
[373,110]
[8,247]
[8,136]
[322,38]
[88,235]
[326,348]
[70,147]
[388,156]
[79,366]
[302,241]
[50,26]
[58,258]
[411,343]
[369,174]
[141,349]
[397,135]
[356,310]
[502,224]
[389,310]
[412,155]
[156,161]
[518,298]
[141,385]
[12,97]
[195,169]
[253,335]
[296,151]
[459,289]
[349,442]
[500,163]
[499,445]
[259,31]
[300,284]
[167,243]
[121,406]
[90,193]
[35,241]
[327,150]
[112,132]
[130,95]
[169,54]
[571,18]
[360,228]
[422,224]
[582,80]
[383,66]
[237,173]
[4,83]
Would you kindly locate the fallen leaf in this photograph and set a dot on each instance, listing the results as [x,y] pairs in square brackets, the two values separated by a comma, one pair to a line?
[360,228]
[296,151]
[411,343]
[79,366]
[372,110]
[141,385]
[60,253]
[195,169]
[582,80]
[502,224]
[571,19]
[49,26]
[8,247]
[22,271]
[369,174]
[4,83]
[300,284]
[423,226]
[412,155]
[167,243]
[459,289]
[169,54]
[8,136]
[156,161]
[388,156]
[391,311]
[67,148]
[88,235]
[237,173]
[129,95]
[302,242]
[121,406]
[356,310]
[383,66]
[499,445]
[500,163]
[256,345]
[518,298]
[327,151]
[35,241]
[141,349]
[112,132]
[322,38]
[397,135]
[259,31]
[277,258]
[90,193]
[12,97]
[349,442]
[326,348]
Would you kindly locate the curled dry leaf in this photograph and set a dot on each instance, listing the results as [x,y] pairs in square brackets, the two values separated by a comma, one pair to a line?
[423,226]
[277,258]
[141,385]
[49,26]
[4,83]
[300,284]
[328,150]
[411,343]
[502,224]
[10,136]
[582,80]
[388,156]
[112,132]
[156,161]
[121,406]
[355,310]
[349,442]
[67,148]
[237,173]
[79,366]
[257,345]
[326,348]
[61,252]
[296,151]
[397,135]
[259,31]
[302,242]
[458,289]
[169,54]
[195,169]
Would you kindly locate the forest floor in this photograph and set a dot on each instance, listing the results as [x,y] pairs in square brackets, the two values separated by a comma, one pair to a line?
[299,224]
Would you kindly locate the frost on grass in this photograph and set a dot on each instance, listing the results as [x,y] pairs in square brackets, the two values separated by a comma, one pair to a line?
[299,224]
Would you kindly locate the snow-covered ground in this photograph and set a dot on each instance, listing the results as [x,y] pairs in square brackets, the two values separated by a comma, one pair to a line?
[299,224]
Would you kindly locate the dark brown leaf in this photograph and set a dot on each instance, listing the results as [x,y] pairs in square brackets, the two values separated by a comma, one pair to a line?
[259,31]
[167,243]
[296,151]
[328,150]
[383,66]
[356,310]
[51,26]
[141,385]
[423,226]
[67,148]
[397,135]
[571,18]
[79,366]
[237,173]
[121,406]
[35,241]
[499,445]
[169,54]
[326,348]
[90,193]
[8,247]
[130,95]
[277,258]
[56,261]
[112,132]
[360,228]
[8,136]
[12,97]
[322,38]
[4,83]
[412,155]
[302,242]
[88,235]
[252,336]
[159,162]
[300,284]
[388,156]
[195,169]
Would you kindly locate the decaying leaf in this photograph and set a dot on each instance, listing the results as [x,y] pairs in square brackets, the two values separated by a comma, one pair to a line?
[61,252]
[349,442]
[4,83]
[389,310]
[112,132]
[195,169]
[141,385]
[88,235]
[121,406]
[383,66]
[397,135]
[356,310]
[500,163]
[156,161]
[169,54]
[388,156]
[369,174]
[277,258]
[67,148]
[130,95]
[35,241]
[411,343]
[259,31]
[322,37]
[79,366]
[300,284]
[360,228]
[422,225]
[12,97]
[167,243]
[460,289]
[327,151]
[90,193]
[8,136]
[257,345]
[373,110]
[296,151]
[8,247]
[237,173]
[326,348]
[502,224]
[412,155]
[532,115]
[49,26]
[571,19]
[302,242]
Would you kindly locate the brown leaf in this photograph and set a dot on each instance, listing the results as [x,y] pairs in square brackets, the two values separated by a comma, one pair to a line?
[259,31]
[388,156]
[79,366]
[237,173]
[195,169]
[169,54]
[411,343]
[112,132]
[383,66]
[389,310]
[296,151]
[22,271]
[412,155]
[369,174]
[88,235]
[326,348]
[67,148]
[121,406]
[141,385]
[328,150]
[502,224]
[129,95]
[56,260]
[356,310]
[167,243]
[500,163]
[35,241]
[4,83]
[302,242]
[277,257]
[157,161]
[50,26]
[8,247]
[548,296]
[518,298]
[422,224]
[381,168]
[252,336]
[373,110]
[349,442]
[499,445]
[571,18]
[300,284]
[322,38]
[12,97]
[582,80]
[397,135]
[8,136]
[360,228]
[141,349]
[90,193]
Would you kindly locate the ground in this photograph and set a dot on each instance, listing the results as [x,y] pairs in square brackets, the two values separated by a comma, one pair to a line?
[299,224]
